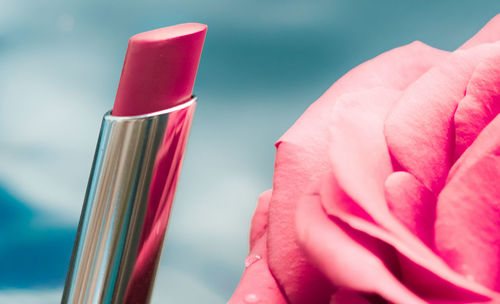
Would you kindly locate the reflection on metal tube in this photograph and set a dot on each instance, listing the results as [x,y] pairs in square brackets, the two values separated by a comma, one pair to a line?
[127,206]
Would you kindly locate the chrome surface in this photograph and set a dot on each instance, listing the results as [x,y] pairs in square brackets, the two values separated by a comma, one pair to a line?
[127,207]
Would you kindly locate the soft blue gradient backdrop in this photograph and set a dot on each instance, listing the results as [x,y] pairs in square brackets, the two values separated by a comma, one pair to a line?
[264,62]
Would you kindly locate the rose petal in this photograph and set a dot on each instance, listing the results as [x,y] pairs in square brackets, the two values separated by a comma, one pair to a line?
[257,283]
[419,130]
[467,228]
[468,212]
[480,104]
[421,269]
[348,296]
[301,282]
[413,204]
[354,264]
[394,69]
[488,34]
[260,218]
[359,156]
[486,143]
[302,155]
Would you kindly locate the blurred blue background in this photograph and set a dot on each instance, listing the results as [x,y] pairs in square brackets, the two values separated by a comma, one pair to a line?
[264,62]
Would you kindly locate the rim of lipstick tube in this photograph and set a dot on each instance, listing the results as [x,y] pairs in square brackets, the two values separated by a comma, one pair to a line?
[109,115]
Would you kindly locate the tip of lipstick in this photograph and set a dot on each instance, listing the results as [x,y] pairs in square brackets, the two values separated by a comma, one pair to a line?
[169,32]
[159,69]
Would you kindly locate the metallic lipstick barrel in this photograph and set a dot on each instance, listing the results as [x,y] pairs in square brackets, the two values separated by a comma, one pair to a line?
[127,206]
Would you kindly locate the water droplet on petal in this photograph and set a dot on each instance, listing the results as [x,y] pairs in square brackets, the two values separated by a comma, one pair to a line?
[251,259]
[251,298]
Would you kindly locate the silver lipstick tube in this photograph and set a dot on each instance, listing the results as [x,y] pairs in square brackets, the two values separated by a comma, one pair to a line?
[127,206]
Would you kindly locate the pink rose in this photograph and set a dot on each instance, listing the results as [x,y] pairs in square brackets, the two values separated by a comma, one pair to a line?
[388,187]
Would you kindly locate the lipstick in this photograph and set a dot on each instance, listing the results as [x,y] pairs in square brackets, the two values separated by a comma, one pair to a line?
[135,169]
